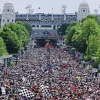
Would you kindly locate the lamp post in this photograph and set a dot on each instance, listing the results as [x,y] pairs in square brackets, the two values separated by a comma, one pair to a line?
[29,10]
[48,46]
[88,45]
[73,51]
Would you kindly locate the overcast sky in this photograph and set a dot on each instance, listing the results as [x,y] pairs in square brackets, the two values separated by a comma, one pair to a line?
[47,5]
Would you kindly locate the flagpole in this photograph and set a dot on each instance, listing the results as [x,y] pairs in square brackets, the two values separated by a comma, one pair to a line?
[52,10]
[52,14]
[39,10]
[27,12]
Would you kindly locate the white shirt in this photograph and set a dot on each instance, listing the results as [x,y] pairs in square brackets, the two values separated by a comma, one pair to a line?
[3,90]
[88,99]
[90,89]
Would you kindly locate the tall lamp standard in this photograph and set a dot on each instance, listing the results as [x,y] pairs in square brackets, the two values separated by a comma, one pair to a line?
[29,10]
[48,47]
[88,52]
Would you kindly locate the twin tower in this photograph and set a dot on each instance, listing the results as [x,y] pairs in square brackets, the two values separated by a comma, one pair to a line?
[9,15]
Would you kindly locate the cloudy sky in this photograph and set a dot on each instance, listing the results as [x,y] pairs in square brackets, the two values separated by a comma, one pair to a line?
[47,5]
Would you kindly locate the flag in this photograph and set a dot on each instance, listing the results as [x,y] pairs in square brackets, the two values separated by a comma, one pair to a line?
[7,84]
[52,9]
[45,92]
[25,92]
[39,8]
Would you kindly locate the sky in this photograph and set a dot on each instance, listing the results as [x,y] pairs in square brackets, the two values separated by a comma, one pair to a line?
[47,5]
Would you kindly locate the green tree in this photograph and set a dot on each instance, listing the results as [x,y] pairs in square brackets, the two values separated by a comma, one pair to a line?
[89,27]
[78,40]
[11,40]
[83,36]
[69,33]
[62,29]
[92,46]
[98,55]
[3,50]
[21,32]
[24,31]
[90,17]
[28,27]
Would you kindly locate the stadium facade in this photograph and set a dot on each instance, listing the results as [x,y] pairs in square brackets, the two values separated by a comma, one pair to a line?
[41,20]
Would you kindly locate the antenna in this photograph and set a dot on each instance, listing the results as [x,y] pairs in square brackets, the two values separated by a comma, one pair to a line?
[63,9]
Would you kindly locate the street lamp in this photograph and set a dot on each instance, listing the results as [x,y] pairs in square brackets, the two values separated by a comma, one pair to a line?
[48,46]
[29,10]
[73,51]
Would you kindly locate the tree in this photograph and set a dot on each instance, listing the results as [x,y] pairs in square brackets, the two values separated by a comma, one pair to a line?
[90,28]
[90,17]
[22,27]
[28,27]
[20,31]
[77,40]
[62,29]
[3,50]
[85,37]
[69,34]
[98,55]
[92,46]
[11,40]
[21,24]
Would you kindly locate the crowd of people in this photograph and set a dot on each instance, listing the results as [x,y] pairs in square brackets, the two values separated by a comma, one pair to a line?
[54,75]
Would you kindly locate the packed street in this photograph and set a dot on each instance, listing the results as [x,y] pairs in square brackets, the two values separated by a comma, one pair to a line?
[48,53]
[63,77]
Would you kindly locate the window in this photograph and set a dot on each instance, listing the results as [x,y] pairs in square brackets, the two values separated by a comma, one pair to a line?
[83,10]
[33,25]
[8,10]
[7,20]
[12,20]
[3,20]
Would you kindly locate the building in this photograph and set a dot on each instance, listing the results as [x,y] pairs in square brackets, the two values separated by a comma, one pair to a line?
[8,13]
[41,20]
[83,11]
[46,21]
